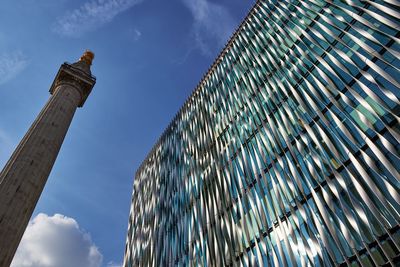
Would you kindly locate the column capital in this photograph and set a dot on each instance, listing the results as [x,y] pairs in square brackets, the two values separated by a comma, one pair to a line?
[71,74]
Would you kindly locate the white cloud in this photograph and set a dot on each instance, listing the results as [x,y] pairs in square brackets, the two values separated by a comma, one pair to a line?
[213,25]
[56,241]
[90,16]
[6,144]
[5,140]
[135,34]
[113,264]
[11,64]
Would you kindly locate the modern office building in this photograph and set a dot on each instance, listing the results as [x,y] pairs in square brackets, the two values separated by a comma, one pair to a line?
[287,152]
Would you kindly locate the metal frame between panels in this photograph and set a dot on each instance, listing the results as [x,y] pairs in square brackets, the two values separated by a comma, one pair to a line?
[287,152]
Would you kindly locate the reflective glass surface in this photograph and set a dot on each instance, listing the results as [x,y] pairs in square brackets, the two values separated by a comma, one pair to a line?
[287,152]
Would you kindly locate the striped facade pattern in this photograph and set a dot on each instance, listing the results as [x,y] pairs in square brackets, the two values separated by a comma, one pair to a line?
[287,152]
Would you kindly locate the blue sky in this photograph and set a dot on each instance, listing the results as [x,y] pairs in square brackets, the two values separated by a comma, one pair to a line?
[150,55]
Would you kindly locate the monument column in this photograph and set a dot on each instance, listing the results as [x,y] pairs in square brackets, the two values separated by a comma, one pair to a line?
[25,174]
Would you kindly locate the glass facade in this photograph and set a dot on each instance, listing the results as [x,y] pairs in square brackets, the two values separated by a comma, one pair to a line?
[287,152]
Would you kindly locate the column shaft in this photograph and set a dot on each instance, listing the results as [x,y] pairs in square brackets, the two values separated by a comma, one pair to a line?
[25,174]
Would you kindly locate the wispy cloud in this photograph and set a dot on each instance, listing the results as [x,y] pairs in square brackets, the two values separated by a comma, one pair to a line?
[213,25]
[6,145]
[11,64]
[113,264]
[90,16]
[5,139]
[135,34]
[56,241]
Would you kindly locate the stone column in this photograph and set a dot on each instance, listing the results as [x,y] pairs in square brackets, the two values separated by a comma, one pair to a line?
[25,174]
